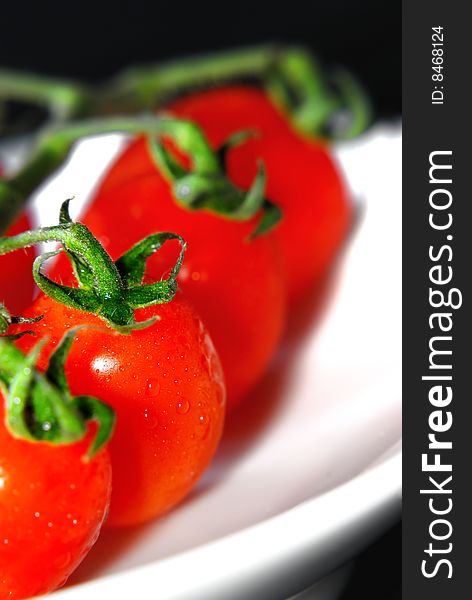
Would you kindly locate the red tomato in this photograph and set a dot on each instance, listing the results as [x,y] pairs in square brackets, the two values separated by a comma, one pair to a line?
[302,177]
[52,505]
[165,383]
[16,281]
[236,284]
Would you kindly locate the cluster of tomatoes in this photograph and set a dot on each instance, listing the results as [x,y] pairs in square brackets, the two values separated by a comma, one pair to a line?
[171,382]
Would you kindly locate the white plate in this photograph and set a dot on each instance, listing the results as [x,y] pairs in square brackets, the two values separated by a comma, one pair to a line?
[310,470]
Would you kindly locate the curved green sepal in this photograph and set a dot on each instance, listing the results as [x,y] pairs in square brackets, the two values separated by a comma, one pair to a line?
[6,320]
[92,409]
[135,326]
[132,264]
[314,99]
[211,189]
[78,298]
[24,320]
[254,199]
[56,368]
[56,419]
[40,413]
[82,272]
[355,101]
[296,81]
[271,215]
[145,295]
[16,336]
[234,140]
[64,215]
[18,393]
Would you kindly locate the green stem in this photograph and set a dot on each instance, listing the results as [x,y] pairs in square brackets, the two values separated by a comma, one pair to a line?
[151,85]
[79,241]
[64,99]
[289,73]
[54,145]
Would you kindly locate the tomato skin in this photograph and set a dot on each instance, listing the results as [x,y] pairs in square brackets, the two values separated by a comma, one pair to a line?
[52,505]
[16,280]
[166,385]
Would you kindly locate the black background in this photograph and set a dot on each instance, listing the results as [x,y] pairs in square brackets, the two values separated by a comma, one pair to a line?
[91,40]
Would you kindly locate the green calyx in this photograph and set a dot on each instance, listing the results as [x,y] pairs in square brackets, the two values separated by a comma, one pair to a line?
[40,407]
[62,98]
[206,185]
[111,290]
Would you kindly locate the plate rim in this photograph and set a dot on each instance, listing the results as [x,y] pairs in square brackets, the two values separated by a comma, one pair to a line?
[303,558]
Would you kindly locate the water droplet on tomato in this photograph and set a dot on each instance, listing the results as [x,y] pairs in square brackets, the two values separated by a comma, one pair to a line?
[203,428]
[46,426]
[152,387]
[183,407]
[151,419]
